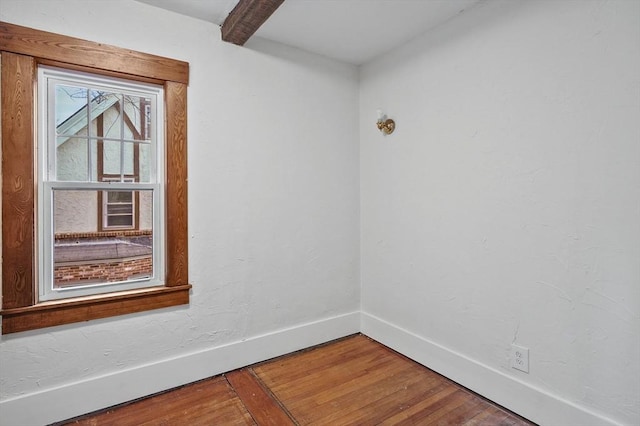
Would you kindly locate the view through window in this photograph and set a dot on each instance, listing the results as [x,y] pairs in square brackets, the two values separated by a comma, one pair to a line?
[101,184]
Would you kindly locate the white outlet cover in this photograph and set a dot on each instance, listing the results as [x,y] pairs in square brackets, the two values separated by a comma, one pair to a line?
[520,358]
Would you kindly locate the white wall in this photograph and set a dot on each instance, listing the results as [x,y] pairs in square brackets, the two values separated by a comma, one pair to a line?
[505,207]
[273,219]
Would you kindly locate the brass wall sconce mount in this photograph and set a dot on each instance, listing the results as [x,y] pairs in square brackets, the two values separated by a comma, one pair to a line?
[385,125]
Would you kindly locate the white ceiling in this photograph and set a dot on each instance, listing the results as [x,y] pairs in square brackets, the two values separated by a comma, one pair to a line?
[353,31]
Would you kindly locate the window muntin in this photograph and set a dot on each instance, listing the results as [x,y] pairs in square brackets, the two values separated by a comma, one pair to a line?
[102,144]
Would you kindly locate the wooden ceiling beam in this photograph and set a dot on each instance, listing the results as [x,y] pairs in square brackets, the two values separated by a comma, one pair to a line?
[246,18]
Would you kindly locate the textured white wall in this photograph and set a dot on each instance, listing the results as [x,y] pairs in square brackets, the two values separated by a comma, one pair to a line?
[505,207]
[273,197]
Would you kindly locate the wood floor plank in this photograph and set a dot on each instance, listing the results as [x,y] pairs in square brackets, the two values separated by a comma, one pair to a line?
[263,408]
[208,402]
[433,403]
[469,409]
[353,390]
[346,385]
[317,359]
[395,402]
[435,413]
[514,420]
[307,397]
[491,415]
[308,365]
[358,400]
[320,369]
[482,417]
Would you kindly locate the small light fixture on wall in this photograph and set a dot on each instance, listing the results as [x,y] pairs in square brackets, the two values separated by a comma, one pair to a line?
[385,125]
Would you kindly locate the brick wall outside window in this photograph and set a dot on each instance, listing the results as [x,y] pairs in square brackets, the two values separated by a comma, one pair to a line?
[103,271]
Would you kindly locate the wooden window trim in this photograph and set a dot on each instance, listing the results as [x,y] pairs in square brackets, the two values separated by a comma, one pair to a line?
[21,50]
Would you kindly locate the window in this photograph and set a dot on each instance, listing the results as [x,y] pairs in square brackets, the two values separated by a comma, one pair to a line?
[118,208]
[101,163]
[104,171]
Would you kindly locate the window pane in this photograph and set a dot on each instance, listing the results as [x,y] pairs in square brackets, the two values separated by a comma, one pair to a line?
[72,159]
[83,256]
[71,109]
[120,210]
[105,113]
[111,158]
[93,160]
[137,118]
[120,196]
[144,160]
[120,221]
[128,158]
[75,212]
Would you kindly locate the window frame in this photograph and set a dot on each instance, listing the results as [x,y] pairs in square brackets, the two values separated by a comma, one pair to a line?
[22,49]
[49,78]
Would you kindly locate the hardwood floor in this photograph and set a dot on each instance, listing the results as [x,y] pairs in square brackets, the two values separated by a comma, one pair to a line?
[352,381]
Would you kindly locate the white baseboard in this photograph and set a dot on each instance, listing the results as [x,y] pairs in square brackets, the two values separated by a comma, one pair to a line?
[535,404]
[96,393]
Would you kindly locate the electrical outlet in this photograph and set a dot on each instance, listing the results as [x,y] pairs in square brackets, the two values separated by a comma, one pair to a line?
[520,358]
